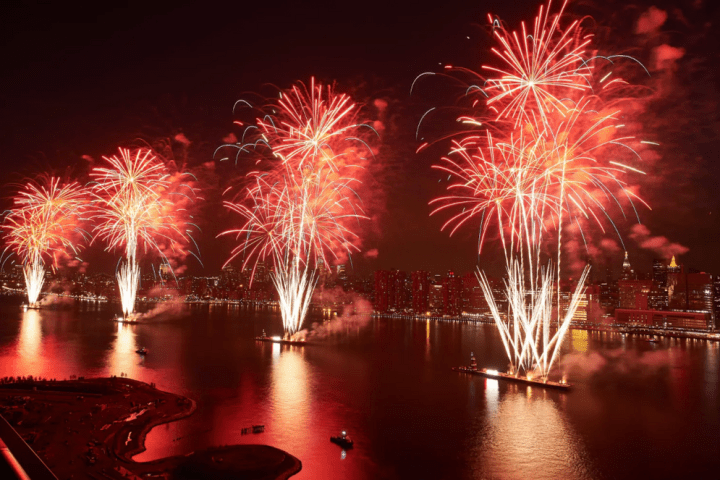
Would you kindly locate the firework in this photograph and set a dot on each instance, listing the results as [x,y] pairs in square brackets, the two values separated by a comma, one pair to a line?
[300,205]
[557,155]
[135,205]
[539,68]
[44,227]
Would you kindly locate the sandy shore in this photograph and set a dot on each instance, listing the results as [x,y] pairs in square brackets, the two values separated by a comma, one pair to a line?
[91,428]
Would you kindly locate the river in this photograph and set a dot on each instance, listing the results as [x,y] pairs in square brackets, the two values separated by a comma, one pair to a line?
[638,409]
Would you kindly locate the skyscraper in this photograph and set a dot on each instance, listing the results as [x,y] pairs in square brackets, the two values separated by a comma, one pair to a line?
[452,295]
[659,272]
[420,291]
[676,286]
[627,271]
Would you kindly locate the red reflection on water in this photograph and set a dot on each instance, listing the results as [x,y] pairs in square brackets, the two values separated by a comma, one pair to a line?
[36,354]
[122,357]
[527,430]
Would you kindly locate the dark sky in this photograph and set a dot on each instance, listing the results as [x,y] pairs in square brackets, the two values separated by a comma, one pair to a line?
[82,80]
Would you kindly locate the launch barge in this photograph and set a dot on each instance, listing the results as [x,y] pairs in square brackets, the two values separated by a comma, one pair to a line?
[280,340]
[496,375]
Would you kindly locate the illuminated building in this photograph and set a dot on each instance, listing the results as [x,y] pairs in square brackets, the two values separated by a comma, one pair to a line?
[420,291]
[675,286]
[665,318]
[341,271]
[452,295]
[382,290]
[472,295]
[435,300]
[716,296]
[634,293]
[659,272]
[261,274]
[627,272]
[391,291]
[699,292]
[657,298]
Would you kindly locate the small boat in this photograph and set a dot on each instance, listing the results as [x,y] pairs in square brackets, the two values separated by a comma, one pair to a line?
[343,440]
[142,351]
[654,339]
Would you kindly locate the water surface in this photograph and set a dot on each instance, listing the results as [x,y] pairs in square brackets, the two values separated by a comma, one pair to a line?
[639,409]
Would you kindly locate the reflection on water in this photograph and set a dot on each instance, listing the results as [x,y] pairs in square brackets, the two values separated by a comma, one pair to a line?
[29,340]
[390,385]
[291,405]
[528,437]
[122,357]
[492,393]
[580,340]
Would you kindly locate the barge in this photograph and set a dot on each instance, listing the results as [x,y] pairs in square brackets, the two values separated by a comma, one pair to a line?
[280,340]
[496,375]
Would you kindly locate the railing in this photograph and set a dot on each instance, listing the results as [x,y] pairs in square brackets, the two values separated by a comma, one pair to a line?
[34,467]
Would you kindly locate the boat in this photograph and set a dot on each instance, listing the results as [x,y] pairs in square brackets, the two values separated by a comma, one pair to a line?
[25,306]
[142,351]
[654,339]
[343,440]
[497,375]
[280,340]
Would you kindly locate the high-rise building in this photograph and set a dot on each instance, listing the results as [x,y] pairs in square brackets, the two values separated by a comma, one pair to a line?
[452,295]
[420,291]
[472,295]
[383,285]
[675,286]
[435,299]
[634,293]
[659,272]
[341,271]
[716,297]
[699,292]
[657,297]
[260,272]
[400,293]
[391,290]
[165,271]
[627,271]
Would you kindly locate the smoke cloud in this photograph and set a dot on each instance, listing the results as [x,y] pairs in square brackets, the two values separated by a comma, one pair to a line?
[355,315]
[651,20]
[658,244]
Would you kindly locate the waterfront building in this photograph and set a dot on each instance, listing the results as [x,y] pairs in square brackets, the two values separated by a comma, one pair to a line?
[663,318]
[452,295]
[699,292]
[391,291]
[420,291]
[435,299]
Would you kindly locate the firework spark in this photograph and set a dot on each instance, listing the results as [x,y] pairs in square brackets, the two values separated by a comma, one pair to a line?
[44,227]
[135,205]
[299,207]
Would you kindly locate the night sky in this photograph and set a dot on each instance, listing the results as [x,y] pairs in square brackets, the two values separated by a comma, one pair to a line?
[78,81]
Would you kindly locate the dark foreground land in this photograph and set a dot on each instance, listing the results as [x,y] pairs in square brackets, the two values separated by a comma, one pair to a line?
[90,429]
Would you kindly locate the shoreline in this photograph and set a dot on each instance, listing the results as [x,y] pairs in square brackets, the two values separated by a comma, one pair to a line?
[105,422]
